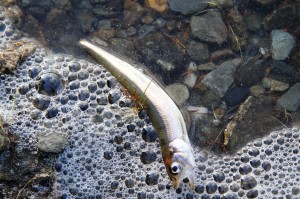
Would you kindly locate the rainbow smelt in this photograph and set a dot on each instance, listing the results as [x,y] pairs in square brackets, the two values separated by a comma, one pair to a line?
[167,119]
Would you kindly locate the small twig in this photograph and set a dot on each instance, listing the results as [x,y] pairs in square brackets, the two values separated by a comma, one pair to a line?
[42,175]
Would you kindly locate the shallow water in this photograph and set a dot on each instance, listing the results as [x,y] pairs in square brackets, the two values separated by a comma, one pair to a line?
[62,91]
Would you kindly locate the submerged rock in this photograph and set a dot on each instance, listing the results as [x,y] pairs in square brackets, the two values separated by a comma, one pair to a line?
[187,6]
[209,27]
[291,99]
[282,44]
[54,142]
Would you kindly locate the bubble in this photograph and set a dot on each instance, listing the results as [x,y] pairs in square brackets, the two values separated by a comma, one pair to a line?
[219,176]
[199,189]
[152,178]
[130,127]
[244,169]
[148,157]
[108,155]
[248,182]
[211,187]
[50,84]
[34,71]
[113,97]
[41,102]
[52,112]
[74,67]
[84,74]
[149,134]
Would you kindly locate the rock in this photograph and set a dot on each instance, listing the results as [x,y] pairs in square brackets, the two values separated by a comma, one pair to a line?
[61,3]
[238,32]
[82,4]
[235,95]
[221,3]
[253,21]
[100,11]
[265,2]
[278,85]
[295,59]
[220,79]
[86,21]
[257,90]
[145,30]
[220,56]
[250,72]
[283,72]
[104,24]
[178,92]
[4,140]
[15,54]
[207,66]
[255,117]
[291,99]
[198,51]
[155,48]
[209,27]
[158,5]
[282,44]
[190,79]
[133,11]
[187,6]
[283,17]
[54,142]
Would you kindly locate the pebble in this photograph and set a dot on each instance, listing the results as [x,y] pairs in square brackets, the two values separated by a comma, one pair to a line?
[257,90]
[54,142]
[221,78]
[187,6]
[209,27]
[283,17]
[198,51]
[282,44]
[190,79]
[291,99]
[253,21]
[283,72]
[250,72]
[278,85]
[220,56]
[178,92]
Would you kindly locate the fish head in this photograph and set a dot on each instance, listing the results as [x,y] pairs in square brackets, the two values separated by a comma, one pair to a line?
[182,165]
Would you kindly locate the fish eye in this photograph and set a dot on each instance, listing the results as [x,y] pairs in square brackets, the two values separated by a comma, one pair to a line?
[175,168]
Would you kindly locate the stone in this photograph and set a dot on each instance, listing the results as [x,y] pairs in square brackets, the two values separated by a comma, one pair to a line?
[250,72]
[283,17]
[282,44]
[278,85]
[291,99]
[220,79]
[253,21]
[178,92]
[283,72]
[209,27]
[187,6]
[198,51]
[54,142]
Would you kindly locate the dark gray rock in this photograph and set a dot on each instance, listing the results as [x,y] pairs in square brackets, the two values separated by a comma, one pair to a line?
[284,72]
[209,27]
[283,17]
[253,21]
[198,51]
[221,78]
[291,99]
[54,142]
[282,44]
[187,6]
[250,72]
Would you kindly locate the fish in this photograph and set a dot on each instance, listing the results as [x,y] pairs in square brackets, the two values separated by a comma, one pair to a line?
[165,116]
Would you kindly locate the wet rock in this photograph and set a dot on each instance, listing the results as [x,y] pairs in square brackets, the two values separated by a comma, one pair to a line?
[156,48]
[238,32]
[283,72]
[209,66]
[291,99]
[198,51]
[282,44]
[220,56]
[257,90]
[187,6]
[235,95]
[54,142]
[283,17]
[255,118]
[253,21]
[15,54]
[86,20]
[133,11]
[221,3]
[82,4]
[190,77]
[145,30]
[265,2]
[61,3]
[178,92]
[220,79]
[278,85]
[4,140]
[250,72]
[158,5]
[209,27]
